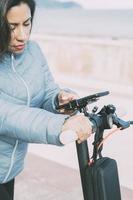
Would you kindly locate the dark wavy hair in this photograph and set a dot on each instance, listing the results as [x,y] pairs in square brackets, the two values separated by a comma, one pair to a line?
[5,32]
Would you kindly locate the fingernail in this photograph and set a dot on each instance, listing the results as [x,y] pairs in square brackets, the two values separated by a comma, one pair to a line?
[64,98]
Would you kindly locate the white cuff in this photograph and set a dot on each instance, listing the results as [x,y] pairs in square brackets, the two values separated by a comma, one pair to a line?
[68,136]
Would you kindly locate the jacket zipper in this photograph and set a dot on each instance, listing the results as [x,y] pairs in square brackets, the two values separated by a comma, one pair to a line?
[28,104]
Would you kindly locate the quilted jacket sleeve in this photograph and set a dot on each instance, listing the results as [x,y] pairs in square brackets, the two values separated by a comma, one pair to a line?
[32,125]
[51,88]
[51,91]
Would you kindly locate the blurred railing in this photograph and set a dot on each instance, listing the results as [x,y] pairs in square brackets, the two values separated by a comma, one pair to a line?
[101,59]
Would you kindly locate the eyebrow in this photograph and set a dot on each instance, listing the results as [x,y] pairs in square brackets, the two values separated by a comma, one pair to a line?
[12,23]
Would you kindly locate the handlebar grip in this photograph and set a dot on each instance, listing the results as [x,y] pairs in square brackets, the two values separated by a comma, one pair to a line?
[69,136]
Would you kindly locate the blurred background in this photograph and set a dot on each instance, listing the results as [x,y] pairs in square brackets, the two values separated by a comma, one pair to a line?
[89,48]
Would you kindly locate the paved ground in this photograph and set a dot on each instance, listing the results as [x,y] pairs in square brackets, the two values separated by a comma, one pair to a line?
[118,146]
[46,180]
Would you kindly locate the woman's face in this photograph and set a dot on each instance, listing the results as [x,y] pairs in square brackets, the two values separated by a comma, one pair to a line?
[19,19]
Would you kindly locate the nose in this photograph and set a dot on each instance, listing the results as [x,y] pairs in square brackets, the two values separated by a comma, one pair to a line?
[21,34]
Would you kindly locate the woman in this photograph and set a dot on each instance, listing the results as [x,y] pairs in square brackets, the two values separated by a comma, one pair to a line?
[28,95]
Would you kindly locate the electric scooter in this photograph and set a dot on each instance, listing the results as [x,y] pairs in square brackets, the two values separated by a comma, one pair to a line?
[99,175]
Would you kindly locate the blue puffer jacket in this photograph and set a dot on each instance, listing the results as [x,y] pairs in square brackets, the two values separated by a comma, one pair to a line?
[27,113]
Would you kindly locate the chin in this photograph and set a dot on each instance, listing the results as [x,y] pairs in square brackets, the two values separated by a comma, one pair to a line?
[18,52]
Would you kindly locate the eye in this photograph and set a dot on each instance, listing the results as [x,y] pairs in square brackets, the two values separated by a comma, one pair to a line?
[12,27]
[27,24]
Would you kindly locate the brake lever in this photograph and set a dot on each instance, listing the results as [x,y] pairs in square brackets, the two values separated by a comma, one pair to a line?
[120,123]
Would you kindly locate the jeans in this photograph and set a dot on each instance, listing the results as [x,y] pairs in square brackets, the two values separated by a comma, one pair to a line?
[7,190]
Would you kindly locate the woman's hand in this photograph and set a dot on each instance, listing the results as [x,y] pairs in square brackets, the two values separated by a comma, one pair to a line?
[80,125]
[65,97]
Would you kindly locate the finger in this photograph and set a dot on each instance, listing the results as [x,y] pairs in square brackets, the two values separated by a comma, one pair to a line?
[74,97]
[67,96]
[61,102]
[64,99]
[80,141]
[83,138]
[62,110]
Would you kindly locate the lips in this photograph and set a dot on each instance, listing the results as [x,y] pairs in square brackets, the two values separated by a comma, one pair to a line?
[19,47]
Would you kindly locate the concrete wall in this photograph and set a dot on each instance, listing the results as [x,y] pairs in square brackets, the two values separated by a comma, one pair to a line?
[102,58]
